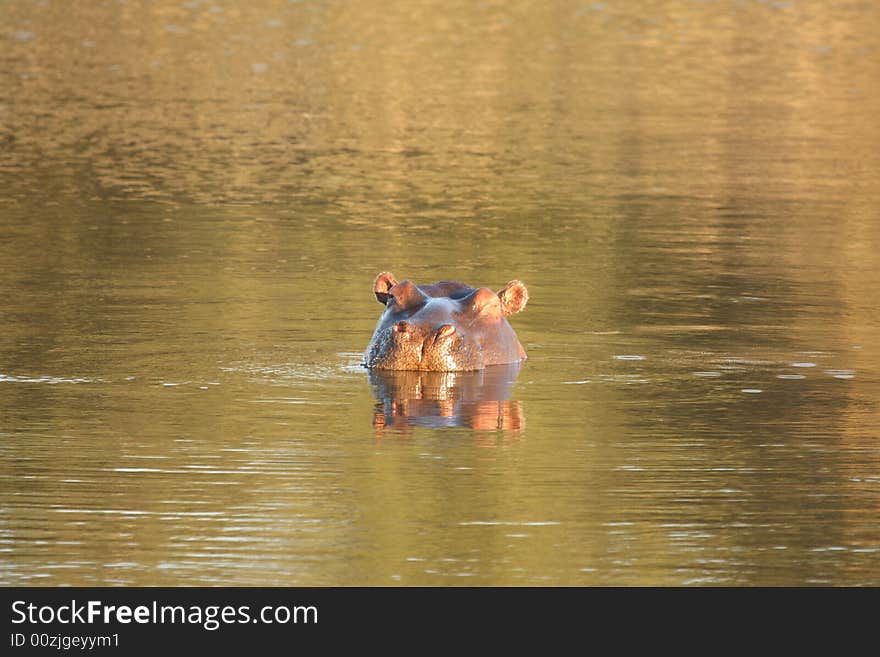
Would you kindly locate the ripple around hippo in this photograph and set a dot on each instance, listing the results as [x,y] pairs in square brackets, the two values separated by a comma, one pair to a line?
[446,326]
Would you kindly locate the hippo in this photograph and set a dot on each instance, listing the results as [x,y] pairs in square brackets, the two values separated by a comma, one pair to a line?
[444,327]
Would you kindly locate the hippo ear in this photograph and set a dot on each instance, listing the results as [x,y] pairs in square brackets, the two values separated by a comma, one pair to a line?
[513,297]
[384,282]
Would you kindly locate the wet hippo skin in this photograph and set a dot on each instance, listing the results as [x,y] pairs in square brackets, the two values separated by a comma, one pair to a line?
[444,327]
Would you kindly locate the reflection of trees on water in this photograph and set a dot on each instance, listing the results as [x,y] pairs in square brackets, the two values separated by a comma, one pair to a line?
[182,187]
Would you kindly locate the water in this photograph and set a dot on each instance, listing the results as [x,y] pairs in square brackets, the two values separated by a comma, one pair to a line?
[195,199]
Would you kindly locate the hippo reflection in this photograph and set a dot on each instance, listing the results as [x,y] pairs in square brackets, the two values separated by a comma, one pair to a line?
[444,327]
[478,399]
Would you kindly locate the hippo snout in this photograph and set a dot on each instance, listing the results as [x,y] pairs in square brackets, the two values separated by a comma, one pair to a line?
[445,326]
[411,346]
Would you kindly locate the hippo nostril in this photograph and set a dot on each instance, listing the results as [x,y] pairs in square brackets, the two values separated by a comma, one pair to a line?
[401,327]
[445,331]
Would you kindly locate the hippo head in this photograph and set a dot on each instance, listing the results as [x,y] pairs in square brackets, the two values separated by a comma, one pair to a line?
[446,326]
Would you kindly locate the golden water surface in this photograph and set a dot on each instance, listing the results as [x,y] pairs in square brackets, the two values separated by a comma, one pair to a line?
[196,196]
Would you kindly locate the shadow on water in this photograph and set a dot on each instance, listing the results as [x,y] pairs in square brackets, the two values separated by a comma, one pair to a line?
[476,400]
